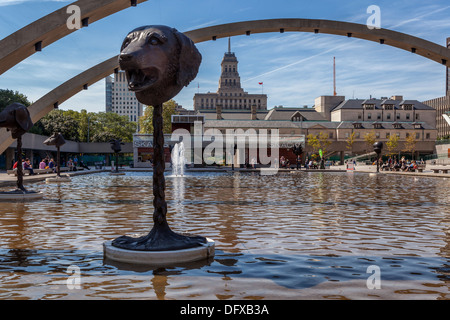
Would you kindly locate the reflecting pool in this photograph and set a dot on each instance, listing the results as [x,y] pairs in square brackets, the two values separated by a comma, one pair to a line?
[289,236]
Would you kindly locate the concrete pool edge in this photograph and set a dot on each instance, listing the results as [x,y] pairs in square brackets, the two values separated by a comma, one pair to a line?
[159,257]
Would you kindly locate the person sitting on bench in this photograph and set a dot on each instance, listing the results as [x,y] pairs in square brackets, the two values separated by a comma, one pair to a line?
[27,166]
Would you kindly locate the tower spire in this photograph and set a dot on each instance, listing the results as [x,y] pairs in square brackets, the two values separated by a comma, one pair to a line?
[229,44]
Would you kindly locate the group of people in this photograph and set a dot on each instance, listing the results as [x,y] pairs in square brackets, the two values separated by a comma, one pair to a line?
[284,163]
[47,163]
[402,165]
[26,165]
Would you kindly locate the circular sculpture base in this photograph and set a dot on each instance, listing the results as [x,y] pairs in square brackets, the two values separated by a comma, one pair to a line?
[58,179]
[204,251]
[117,173]
[18,195]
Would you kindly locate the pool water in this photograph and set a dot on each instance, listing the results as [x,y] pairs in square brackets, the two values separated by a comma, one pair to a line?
[308,235]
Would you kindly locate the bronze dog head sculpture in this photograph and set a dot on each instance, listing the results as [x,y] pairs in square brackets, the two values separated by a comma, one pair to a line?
[158,61]
[16,118]
[116,145]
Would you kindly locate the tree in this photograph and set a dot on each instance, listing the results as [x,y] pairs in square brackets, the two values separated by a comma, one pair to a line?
[8,97]
[350,141]
[392,144]
[410,145]
[313,142]
[146,120]
[57,121]
[370,139]
[324,143]
[318,142]
[105,126]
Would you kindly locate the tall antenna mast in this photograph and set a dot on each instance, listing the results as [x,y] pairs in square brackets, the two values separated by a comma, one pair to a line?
[334,75]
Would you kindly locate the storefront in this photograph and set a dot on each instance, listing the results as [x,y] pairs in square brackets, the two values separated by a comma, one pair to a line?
[143,150]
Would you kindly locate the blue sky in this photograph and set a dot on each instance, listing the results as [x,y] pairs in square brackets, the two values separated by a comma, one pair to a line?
[294,67]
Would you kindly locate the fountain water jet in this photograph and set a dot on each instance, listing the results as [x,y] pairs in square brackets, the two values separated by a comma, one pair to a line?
[178,159]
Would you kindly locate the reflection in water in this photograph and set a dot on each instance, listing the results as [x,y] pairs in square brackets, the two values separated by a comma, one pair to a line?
[289,236]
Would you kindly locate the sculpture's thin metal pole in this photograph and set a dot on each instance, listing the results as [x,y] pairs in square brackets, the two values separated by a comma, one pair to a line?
[19,165]
[159,182]
[58,163]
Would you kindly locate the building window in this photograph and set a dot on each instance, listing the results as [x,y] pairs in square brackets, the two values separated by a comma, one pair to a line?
[398,116]
[359,116]
[417,116]
[378,116]
[407,107]
[407,116]
[369,116]
[427,136]
[417,135]
[388,135]
[388,116]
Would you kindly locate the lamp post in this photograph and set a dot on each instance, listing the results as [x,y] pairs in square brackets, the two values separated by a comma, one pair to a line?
[377,147]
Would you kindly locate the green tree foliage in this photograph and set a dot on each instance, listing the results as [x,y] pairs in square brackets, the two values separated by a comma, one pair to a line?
[392,144]
[351,141]
[146,120]
[370,139]
[8,97]
[410,144]
[78,126]
[318,142]
[59,121]
[105,126]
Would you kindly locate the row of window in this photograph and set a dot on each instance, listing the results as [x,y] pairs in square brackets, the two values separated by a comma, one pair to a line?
[358,135]
[388,106]
[217,100]
[231,82]
[388,116]
[230,68]
[127,94]
[386,135]
[123,109]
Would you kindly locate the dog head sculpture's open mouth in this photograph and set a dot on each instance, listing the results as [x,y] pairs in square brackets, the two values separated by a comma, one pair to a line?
[141,79]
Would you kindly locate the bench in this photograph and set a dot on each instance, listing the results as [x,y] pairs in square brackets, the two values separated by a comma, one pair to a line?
[37,171]
[421,167]
[437,170]
[98,165]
